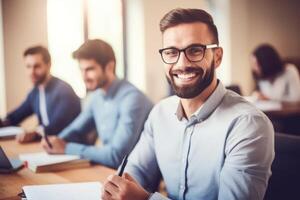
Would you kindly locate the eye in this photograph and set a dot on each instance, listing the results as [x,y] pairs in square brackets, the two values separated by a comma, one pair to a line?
[170,52]
[195,51]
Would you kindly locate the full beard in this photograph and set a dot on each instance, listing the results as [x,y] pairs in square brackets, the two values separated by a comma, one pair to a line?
[41,79]
[191,91]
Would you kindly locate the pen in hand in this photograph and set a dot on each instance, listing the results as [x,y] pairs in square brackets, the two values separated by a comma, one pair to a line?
[121,169]
[47,140]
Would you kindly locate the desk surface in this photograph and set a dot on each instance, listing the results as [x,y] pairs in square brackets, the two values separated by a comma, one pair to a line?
[11,184]
[287,110]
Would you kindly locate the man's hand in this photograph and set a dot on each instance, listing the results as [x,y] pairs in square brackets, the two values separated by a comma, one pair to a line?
[58,145]
[123,188]
[27,137]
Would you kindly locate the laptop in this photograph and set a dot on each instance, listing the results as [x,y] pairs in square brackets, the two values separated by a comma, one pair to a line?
[9,165]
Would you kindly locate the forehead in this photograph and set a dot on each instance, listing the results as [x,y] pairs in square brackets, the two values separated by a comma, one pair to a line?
[87,63]
[34,58]
[183,35]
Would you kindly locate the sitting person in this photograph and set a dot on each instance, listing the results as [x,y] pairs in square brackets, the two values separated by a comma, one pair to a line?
[51,99]
[274,80]
[116,109]
[207,143]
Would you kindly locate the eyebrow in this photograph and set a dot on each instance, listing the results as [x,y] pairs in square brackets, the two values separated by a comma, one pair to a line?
[193,44]
[88,68]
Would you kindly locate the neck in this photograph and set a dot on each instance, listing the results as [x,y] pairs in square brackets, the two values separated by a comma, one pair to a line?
[190,106]
[45,82]
[109,83]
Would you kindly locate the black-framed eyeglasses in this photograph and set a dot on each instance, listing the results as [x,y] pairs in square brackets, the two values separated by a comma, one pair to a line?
[194,53]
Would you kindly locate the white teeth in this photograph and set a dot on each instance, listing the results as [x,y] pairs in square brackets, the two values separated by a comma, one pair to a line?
[186,76]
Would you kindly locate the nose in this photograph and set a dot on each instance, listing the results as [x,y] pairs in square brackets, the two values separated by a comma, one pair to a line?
[182,60]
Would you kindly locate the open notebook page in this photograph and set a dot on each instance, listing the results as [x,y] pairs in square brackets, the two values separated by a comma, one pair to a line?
[43,158]
[74,191]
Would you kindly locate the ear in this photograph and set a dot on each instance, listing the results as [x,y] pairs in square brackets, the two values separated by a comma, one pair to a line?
[49,66]
[110,67]
[218,54]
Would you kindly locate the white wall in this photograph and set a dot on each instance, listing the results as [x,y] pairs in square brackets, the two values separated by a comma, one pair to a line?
[2,76]
[24,25]
[144,40]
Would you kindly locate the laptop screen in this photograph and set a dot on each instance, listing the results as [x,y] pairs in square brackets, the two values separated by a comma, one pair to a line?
[4,161]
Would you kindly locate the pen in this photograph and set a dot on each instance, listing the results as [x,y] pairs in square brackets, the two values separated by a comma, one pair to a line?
[47,140]
[124,162]
[41,131]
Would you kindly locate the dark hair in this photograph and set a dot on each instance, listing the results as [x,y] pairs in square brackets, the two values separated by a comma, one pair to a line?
[269,61]
[96,49]
[181,16]
[39,50]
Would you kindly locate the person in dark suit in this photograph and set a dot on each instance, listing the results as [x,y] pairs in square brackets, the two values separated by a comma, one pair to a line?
[51,99]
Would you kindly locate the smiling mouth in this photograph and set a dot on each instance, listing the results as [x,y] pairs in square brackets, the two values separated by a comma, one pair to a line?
[185,77]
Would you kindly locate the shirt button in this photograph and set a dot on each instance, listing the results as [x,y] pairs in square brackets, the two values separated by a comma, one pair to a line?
[183,160]
[181,187]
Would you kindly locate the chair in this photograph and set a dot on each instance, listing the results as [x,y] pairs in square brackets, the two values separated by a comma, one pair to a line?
[235,88]
[285,180]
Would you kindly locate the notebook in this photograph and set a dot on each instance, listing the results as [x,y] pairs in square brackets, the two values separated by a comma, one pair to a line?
[10,131]
[44,162]
[74,191]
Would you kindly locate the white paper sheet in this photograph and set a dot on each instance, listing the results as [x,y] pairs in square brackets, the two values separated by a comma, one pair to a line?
[10,131]
[43,158]
[72,191]
[264,105]
[268,105]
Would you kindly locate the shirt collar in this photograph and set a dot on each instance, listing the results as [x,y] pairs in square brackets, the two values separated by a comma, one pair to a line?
[209,105]
[49,85]
[113,88]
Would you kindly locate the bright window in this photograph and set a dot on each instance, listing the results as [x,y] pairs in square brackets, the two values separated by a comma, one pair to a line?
[66,33]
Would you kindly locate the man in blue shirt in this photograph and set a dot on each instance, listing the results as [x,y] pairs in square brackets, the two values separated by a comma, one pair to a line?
[116,109]
[207,143]
[52,100]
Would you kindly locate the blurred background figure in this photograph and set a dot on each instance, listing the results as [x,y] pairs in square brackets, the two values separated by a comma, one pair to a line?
[51,99]
[275,80]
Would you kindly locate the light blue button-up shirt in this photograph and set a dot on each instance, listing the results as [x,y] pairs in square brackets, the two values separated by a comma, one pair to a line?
[118,117]
[224,151]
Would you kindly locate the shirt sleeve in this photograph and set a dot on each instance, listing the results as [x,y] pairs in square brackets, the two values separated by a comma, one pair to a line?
[142,163]
[83,123]
[133,112]
[293,85]
[66,109]
[22,112]
[249,153]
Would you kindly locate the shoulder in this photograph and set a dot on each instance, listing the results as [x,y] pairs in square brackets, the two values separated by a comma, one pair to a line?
[128,92]
[165,107]
[291,70]
[62,88]
[237,105]
[243,116]
[59,83]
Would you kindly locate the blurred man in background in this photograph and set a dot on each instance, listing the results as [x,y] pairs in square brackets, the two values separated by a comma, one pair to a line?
[51,99]
[116,109]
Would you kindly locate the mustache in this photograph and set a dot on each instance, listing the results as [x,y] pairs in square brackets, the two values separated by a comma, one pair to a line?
[197,70]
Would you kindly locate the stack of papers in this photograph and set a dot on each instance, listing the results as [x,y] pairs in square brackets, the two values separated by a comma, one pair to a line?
[10,131]
[74,191]
[42,161]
